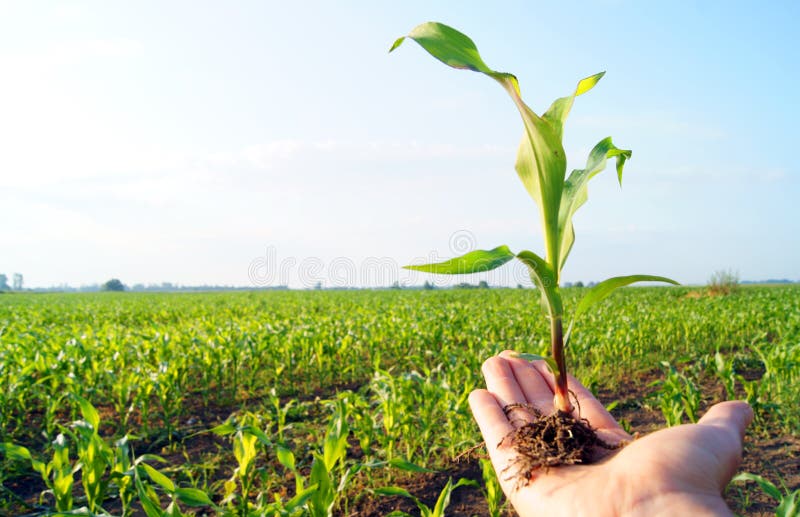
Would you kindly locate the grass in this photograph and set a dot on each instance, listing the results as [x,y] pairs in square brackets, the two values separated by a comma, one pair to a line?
[393,367]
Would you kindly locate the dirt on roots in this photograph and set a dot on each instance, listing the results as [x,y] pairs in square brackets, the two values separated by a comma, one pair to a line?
[545,441]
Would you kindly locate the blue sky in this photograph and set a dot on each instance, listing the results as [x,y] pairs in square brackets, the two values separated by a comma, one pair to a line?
[272,142]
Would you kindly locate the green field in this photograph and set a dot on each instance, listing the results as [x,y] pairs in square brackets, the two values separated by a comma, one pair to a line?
[329,396]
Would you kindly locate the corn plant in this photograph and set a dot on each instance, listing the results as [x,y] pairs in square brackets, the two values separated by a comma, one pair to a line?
[677,396]
[788,500]
[279,413]
[247,435]
[330,473]
[121,474]
[99,463]
[726,373]
[541,165]
[329,470]
[442,502]
[491,489]
[386,399]
[94,455]
[150,500]
[57,474]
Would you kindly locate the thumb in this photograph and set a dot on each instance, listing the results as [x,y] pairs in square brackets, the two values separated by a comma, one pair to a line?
[727,422]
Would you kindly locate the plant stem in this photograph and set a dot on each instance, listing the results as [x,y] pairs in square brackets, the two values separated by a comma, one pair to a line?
[561,399]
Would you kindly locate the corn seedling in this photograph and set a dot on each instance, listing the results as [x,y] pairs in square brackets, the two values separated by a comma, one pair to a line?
[330,472]
[247,434]
[541,165]
[57,474]
[99,464]
[94,455]
[442,502]
[279,413]
[726,373]
[150,500]
[788,500]
[491,488]
[121,474]
[677,396]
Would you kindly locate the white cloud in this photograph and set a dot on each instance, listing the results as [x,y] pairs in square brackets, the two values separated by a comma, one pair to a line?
[88,152]
[267,155]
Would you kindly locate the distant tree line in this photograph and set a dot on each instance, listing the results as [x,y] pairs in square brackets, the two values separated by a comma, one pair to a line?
[16,282]
[115,284]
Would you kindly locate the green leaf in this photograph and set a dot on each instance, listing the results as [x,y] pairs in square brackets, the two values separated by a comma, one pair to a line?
[159,478]
[397,43]
[557,113]
[258,433]
[406,465]
[443,500]
[397,491]
[15,452]
[576,190]
[476,261]
[393,491]
[766,485]
[323,498]
[149,457]
[606,287]
[541,161]
[448,45]
[224,429]
[300,499]
[286,457]
[534,357]
[444,497]
[789,507]
[543,276]
[335,446]
[193,497]
[89,413]
[148,499]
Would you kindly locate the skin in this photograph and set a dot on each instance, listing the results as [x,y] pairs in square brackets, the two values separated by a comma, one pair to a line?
[674,471]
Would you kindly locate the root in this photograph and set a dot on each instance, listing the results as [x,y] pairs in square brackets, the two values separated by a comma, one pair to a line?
[544,441]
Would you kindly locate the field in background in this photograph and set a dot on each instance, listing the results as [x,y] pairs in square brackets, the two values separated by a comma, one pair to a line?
[366,382]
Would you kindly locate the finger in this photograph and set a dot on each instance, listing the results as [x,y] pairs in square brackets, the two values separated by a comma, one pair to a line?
[534,388]
[590,408]
[490,417]
[495,427]
[729,420]
[500,380]
[733,414]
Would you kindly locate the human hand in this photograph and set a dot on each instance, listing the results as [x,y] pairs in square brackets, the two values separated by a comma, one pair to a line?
[674,471]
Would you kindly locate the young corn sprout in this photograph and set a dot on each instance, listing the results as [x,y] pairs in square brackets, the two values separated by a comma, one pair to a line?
[541,165]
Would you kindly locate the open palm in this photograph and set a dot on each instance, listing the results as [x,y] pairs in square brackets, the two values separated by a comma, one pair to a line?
[674,471]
